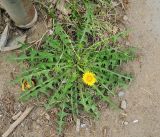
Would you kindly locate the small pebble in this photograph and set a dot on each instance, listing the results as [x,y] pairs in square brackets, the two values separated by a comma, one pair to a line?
[64,81]
[123,104]
[83,125]
[136,121]
[50,32]
[121,94]
[125,18]
[125,123]
[127,43]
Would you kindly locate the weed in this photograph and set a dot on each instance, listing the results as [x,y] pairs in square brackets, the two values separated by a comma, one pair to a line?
[57,68]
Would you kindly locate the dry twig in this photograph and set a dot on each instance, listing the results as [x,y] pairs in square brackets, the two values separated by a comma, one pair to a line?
[15,117]
[18,121]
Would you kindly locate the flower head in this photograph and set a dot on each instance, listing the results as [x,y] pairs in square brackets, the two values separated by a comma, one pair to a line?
[25,85]
[89,78]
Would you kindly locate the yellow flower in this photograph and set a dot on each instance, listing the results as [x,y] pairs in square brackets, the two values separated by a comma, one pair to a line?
[89,78]
[25,85]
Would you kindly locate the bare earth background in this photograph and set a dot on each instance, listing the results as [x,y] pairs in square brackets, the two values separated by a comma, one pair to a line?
[142,96]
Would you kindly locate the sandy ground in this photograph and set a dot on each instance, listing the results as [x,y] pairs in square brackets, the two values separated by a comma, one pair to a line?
[143,94]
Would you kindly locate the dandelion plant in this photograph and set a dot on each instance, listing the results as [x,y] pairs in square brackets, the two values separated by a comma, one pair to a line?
[74,71]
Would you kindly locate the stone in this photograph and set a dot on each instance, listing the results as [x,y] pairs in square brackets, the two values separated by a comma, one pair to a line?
[135,121]
[127,43]
[121,94]
[125,18]
[123,104]
[125,123]
[83,125]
